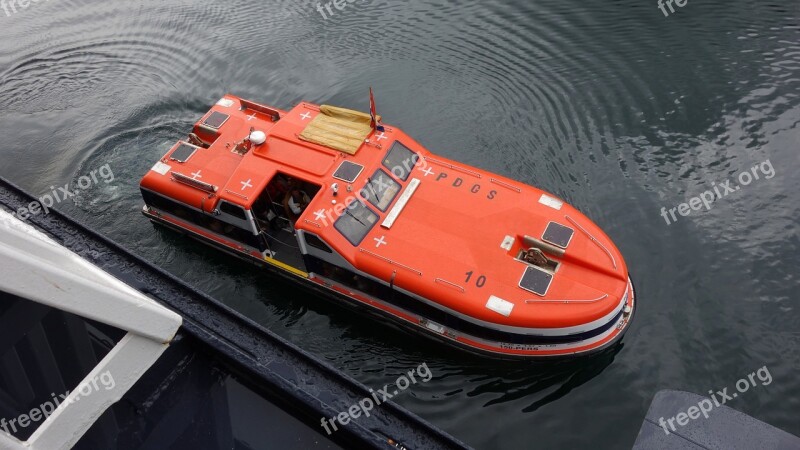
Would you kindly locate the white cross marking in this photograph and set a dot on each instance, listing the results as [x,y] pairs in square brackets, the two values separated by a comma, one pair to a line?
[379,242]
[381,136]
[319,215]
[251,117]
[197,175]
[305,115]
[427,171]
[246,184]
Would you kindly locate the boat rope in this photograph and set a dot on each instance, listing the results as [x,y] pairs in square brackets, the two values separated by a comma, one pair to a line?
[284,243]
[272,202]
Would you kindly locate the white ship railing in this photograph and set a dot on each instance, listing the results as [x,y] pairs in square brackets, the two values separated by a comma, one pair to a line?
[36,268]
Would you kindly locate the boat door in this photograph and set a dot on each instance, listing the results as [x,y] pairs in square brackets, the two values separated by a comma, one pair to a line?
[277,209]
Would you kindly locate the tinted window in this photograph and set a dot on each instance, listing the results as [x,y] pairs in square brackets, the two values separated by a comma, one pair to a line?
[232,210]
[314,241]
[355,222]
[204,220]
[400,160]
[380,190]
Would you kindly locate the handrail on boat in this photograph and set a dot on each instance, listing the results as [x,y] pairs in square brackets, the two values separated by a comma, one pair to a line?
[613,261]
[449,283]
[394,263]
[453,166]
[505,185]
[564,302]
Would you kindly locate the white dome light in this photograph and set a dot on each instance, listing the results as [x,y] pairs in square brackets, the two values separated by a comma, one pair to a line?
[258,137]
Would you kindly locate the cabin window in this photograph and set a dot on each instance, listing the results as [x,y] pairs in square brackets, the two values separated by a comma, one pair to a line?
[316,242]
[355,222]
[380,190]
[204,220]
[233,210]
[400,160]
[183,153]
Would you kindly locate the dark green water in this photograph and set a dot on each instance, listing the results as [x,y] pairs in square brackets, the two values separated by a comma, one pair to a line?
[608,104]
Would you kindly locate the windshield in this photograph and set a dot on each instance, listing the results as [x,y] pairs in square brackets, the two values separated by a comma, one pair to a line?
[400,160]
[380,190]
[355,222]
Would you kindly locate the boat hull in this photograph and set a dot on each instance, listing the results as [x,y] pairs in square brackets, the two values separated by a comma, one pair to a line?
[610,333]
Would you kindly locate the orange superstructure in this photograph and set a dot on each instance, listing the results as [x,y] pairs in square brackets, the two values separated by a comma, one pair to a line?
[380,223]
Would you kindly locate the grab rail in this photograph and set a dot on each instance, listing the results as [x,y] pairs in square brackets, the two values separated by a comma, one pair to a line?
[394,263]
[567,301]
[452,166]
[613,261]
[451,284]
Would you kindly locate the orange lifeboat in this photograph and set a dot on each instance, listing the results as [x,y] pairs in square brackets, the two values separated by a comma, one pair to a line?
[336,202]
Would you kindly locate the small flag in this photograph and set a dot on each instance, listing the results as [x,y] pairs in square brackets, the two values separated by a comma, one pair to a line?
[375,123]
